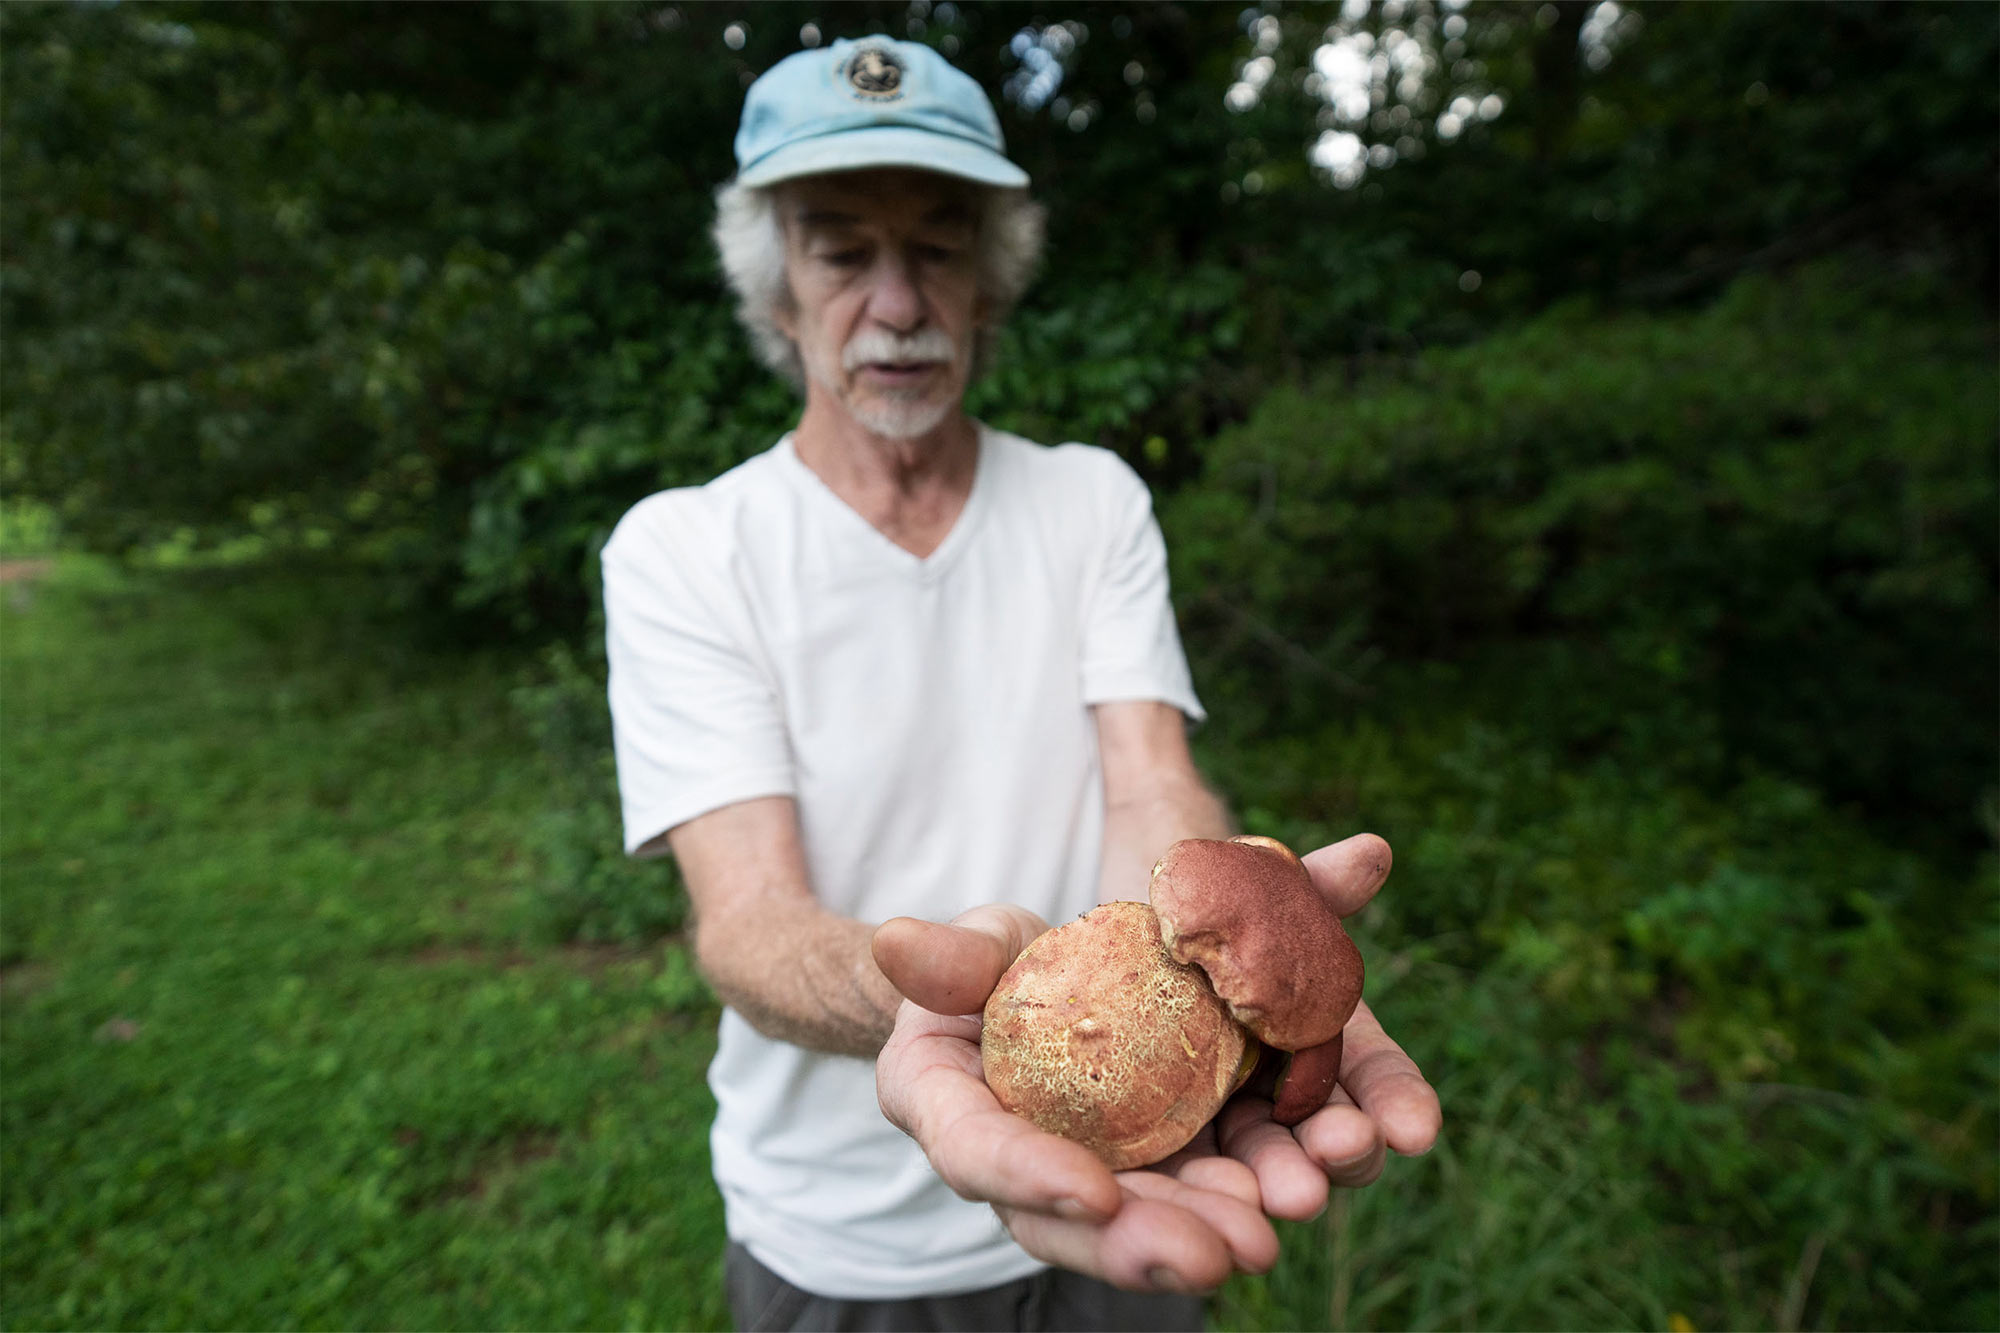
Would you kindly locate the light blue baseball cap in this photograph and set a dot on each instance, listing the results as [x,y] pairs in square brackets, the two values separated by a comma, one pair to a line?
[876,102]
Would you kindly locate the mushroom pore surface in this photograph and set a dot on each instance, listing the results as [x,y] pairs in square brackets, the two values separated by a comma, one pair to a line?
[1096,1034]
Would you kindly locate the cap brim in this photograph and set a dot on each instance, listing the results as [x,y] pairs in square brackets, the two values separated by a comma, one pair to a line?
[884,146]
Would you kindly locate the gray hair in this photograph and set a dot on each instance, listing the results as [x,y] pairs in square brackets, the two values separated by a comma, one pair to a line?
[751,243]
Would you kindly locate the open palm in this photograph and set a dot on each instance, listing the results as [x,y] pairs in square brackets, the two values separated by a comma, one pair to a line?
[1184,1224]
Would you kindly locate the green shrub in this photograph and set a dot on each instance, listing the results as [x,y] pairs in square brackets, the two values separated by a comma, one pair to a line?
[1760,532]
[1611,625]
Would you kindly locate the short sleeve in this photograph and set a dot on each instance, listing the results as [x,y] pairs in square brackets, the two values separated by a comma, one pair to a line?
[696,721]
[1131,646]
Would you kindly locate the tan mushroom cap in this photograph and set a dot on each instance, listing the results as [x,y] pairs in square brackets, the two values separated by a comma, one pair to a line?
[1097,1035]
[1246,912]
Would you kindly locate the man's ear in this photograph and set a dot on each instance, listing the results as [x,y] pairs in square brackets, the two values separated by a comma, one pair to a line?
[784,310]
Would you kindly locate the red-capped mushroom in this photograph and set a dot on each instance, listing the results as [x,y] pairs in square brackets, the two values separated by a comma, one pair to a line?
[1247,913]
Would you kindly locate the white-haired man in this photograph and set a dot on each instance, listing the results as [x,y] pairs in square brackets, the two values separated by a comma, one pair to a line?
[905,668]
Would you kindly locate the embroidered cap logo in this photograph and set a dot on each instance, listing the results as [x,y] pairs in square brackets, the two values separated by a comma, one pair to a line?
[876,72]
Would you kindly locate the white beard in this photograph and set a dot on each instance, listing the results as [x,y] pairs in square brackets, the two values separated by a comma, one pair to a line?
[892,414]
[902,419]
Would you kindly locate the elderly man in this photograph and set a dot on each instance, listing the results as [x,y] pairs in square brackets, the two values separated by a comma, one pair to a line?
[905,668]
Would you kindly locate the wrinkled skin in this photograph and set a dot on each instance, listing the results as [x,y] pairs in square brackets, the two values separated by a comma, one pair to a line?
[1189,1222]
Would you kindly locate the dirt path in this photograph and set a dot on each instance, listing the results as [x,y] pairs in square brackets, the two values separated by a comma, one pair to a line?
[24,571]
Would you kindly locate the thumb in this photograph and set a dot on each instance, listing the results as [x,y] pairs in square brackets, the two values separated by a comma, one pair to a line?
[1349,873]
[952,969]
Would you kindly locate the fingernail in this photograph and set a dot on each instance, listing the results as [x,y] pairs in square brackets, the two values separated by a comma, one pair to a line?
[1167,1280]
[1076,1210]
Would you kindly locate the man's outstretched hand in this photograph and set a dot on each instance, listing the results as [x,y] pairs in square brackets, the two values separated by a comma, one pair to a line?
[1184,1224]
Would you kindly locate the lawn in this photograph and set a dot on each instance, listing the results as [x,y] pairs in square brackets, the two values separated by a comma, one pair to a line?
[328,1003]
[281,1045]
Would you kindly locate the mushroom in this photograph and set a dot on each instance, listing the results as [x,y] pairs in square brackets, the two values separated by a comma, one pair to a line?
[1297,1082]
[1246,912]
[1127,1029]
[1096,1034]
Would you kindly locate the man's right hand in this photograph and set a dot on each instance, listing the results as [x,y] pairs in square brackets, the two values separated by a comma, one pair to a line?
[1185,1224]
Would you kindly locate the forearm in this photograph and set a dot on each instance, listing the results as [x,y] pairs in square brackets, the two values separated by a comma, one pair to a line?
[796,971]
[800,975]
[1140,827]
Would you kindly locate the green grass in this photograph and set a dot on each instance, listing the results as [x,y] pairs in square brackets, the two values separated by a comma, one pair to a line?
[325,1000]
[281,1046]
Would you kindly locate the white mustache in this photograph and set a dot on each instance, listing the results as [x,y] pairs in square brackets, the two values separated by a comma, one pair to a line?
[877,347]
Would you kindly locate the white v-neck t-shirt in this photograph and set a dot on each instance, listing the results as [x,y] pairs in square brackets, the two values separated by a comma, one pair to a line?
[930,716]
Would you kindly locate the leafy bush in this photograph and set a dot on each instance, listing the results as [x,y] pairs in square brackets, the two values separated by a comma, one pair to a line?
[1611,625]
[1761,532]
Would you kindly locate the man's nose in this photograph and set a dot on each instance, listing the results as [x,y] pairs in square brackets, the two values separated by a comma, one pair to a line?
[893,297]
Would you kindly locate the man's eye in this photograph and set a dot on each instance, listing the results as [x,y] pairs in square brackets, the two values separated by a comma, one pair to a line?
[937,254]
[846,258]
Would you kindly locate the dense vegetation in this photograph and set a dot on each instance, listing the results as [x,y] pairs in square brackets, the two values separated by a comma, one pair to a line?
[1625,633]
[1762,533]
[1596,499]
[431,284]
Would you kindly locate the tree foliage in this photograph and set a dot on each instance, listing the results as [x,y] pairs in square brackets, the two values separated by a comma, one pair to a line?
[429,284]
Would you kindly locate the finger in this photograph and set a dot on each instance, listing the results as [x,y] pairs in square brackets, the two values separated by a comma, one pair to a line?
[1253,1245]
[1350,871]
[1290,1183]
[1214,1174]
[1387,1085]
[1201,1164]
[1344,1143]
[952,969]
[928,1082]
[1166,1237]
[1149,1247]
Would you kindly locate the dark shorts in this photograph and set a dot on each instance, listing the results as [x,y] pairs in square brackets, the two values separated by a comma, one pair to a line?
[1050,1300]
